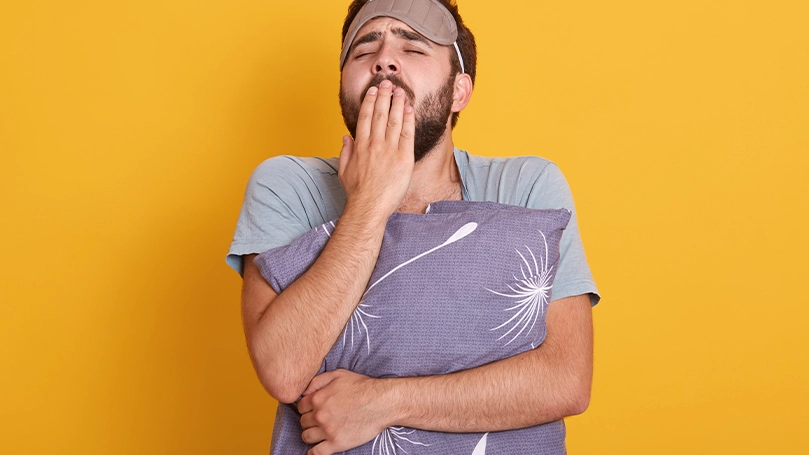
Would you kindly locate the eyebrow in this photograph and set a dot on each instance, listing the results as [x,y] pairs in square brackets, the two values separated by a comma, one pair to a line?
[367,38]
[411,36]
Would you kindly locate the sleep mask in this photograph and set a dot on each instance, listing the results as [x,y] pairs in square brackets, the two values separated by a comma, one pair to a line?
[428,17]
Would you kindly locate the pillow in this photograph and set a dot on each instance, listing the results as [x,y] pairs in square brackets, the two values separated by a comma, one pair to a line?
[465,284]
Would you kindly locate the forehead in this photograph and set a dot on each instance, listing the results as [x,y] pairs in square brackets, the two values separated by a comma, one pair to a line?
[385,24]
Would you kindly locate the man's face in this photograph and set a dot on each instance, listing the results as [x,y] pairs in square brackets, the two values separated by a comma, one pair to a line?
[386,48]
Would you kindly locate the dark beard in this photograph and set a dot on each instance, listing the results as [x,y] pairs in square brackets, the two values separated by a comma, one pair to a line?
[431,115]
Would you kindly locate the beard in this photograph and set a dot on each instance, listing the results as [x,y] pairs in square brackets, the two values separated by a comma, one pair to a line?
[431,114]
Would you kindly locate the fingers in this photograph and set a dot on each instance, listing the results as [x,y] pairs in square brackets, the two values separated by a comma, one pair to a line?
[407,137]
[305,405]
[321,449]
[366,114]
[308,420]
[313,435]
[386,117]
[395,118]
[379,122]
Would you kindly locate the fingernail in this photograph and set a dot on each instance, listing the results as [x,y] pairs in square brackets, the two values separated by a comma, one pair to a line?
[385,84]
[398,92]
[372,90]
[408,109]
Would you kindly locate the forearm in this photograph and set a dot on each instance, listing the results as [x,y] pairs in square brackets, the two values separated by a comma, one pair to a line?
[295,332]
[290,334]
[513,393]
[538,386]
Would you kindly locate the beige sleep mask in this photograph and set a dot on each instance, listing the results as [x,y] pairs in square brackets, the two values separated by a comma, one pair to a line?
[428,17]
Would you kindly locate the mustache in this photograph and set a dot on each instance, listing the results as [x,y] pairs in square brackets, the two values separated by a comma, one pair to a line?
[395,80]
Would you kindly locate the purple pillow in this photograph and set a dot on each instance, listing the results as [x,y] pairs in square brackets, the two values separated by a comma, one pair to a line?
[465,284]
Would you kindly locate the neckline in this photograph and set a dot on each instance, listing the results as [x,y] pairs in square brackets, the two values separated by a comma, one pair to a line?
[461,156]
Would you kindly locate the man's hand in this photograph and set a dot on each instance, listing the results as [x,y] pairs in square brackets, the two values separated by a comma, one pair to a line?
[341,410]
[376,169]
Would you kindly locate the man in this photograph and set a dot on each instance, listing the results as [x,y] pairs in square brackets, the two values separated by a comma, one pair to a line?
[408,68]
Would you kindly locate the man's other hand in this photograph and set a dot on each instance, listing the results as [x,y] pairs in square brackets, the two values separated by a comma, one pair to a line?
[341,410]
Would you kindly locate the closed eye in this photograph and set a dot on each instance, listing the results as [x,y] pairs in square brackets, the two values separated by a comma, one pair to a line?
[363,53]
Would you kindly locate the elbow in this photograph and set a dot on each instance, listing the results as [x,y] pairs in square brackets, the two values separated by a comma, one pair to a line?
[579,403]
[277,379]
[579,399]
[283,391]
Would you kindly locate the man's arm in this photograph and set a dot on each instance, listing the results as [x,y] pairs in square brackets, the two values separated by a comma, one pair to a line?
[546,384]
[342,410]
[289,334]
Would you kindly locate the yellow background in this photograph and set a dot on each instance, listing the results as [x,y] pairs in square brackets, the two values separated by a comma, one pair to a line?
[128,131]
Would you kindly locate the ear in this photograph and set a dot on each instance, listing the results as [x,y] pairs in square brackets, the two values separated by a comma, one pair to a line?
[463,92]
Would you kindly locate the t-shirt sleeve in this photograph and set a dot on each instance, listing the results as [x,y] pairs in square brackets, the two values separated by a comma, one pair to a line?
[272,214]
[551,191]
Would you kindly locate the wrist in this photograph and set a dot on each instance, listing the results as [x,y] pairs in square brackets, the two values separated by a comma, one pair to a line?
[367,214]
[396,400]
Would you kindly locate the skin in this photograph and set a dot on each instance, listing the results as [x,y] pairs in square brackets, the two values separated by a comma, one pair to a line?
[289,334]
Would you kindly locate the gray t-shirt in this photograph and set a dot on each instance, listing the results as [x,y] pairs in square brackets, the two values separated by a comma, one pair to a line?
[287,196]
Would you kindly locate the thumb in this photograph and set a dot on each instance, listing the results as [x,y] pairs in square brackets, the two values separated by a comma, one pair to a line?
[345,154]
[318,382]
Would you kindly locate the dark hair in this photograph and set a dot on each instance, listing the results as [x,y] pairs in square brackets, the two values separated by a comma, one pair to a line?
[466,41]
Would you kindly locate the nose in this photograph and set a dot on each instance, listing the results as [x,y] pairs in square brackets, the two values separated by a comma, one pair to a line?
[386,61]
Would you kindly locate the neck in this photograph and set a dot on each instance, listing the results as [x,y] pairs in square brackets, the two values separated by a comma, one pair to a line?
[435,177]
